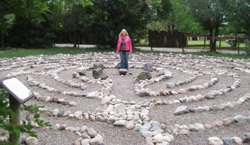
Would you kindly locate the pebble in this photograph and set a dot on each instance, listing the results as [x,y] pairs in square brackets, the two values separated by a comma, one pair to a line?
[78,115]
[214,141]
[85,142]
[130,125]
[158,138]
[237,140]
[31,141]
[97,140]
[72,103]
[83,128]
[77,142]
[120,123]
[181,110]
[91,132]
[246,138]
[163,143]
[228,141]
[241,119]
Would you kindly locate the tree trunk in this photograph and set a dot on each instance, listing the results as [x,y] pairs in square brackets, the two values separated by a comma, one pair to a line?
[212,41]
[75,39]
[2,40]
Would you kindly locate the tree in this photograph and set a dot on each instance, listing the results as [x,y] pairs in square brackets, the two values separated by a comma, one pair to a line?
[211,15]
[178,18]
[74,20]
[107,18]
[10,10]
[237,17]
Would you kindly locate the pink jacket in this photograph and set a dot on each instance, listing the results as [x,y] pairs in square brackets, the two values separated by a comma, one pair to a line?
[127,42]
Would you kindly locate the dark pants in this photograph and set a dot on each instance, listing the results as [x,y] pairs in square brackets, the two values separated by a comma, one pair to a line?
[124,59]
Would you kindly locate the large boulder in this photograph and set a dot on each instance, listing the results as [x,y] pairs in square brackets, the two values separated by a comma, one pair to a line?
[98,65]
[148,67]
[98,73]
[144,75]
[103,76]
[123,71]
[82,71]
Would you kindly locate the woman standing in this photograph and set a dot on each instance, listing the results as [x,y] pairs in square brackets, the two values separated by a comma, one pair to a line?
[124,47]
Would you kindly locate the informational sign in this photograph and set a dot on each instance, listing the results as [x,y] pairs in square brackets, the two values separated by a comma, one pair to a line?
[17,89]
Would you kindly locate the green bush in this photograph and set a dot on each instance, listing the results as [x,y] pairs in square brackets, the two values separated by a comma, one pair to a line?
[27,126]
[28,35]
[247,48]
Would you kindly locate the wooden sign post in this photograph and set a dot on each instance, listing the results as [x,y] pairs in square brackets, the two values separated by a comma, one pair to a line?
[19,94]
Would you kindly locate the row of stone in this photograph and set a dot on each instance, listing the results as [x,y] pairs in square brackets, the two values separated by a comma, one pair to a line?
[211,95]
[186,129]
[244,139]
[147,92]
[182,82]
[105,90]
[62,101]
[87,135]
[129,115]
[184,109]
[26,140]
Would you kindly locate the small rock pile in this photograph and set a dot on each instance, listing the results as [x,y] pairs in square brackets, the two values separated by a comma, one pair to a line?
[98,71]
[87,135]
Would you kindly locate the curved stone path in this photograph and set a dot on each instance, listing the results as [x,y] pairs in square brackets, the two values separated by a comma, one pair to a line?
[189,100]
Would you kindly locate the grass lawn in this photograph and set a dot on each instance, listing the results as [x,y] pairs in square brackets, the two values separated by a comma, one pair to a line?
[47,51]
[196,42]
[216,54]
[201,42]
[9,53]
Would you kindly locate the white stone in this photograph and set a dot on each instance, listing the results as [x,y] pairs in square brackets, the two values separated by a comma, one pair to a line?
[91,132]
[120,123]
[83,128]
[158,138]
[72,103]
[78,115]
[98,139]
[181,110]
[85,142]
[31,141]
[237,140]
[130,125]
[214,141]
[163,143]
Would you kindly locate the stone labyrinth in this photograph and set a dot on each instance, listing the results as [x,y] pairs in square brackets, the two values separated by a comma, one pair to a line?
[189,100]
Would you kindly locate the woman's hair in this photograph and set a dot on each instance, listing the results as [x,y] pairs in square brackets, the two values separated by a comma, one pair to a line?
[123,31]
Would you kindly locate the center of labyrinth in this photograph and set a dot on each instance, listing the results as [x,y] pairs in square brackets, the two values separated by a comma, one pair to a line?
[163,99]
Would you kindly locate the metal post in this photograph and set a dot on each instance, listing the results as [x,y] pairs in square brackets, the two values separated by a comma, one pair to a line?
[14,120]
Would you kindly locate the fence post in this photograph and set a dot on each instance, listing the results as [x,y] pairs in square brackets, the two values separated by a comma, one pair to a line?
[205,39]
[238,45]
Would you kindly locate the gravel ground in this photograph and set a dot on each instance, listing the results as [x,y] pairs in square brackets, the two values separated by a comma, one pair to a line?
[112,135]
[123,89]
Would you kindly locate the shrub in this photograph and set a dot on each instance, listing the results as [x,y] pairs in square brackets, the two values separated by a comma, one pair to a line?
[26,126]
[247,48]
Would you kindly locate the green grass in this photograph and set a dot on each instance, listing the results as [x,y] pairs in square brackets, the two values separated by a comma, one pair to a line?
[9,53]
[216,54]
[201,42]
[224,44]
[219,55]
